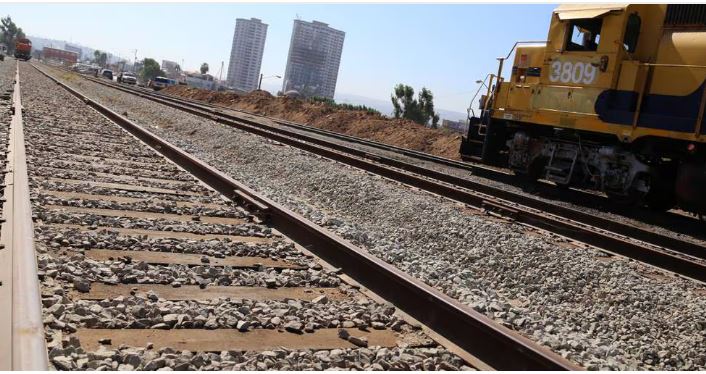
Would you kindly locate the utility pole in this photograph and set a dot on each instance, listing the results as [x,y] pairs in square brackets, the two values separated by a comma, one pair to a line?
[259,85]
[134,64]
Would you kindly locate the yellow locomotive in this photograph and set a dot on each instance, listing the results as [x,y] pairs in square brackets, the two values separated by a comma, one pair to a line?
[613,100]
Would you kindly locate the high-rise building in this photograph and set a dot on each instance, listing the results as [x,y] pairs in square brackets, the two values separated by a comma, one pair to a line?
[314,57]
[246,54]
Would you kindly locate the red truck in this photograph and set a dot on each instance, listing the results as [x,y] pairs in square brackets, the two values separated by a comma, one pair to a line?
[23,49]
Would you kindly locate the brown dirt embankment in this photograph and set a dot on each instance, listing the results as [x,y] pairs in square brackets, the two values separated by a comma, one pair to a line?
[398,132]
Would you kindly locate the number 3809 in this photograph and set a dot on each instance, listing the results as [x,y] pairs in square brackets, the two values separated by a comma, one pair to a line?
[577,72]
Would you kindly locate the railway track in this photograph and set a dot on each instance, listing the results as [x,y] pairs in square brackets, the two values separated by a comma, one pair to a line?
[676,255]
[677,221]
[144,264]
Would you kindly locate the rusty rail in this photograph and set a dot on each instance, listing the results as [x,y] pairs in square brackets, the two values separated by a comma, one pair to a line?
[629,231]
[672,254]
[24,329]
[491,343]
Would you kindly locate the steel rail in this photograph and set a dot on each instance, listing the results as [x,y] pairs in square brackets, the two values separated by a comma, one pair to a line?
[669,253]
[623,229]
[579,197]
[27,345]
[349,138]
[491,343]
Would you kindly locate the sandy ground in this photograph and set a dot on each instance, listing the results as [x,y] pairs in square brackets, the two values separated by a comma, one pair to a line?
[398,132]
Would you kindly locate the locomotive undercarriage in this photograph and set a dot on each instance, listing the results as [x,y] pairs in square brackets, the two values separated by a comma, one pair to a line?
[569,161]
[657,172]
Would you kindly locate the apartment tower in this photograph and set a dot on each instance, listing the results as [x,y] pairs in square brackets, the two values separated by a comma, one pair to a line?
[246,54]
[314,57]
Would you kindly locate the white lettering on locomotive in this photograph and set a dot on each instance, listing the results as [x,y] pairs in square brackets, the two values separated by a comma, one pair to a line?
[574,72]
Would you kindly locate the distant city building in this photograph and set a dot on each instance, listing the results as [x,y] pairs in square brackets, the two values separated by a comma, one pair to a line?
[59,55]
[459,126]
[246,54]
[74,48]
[314,57]
[202,81]
[172,69]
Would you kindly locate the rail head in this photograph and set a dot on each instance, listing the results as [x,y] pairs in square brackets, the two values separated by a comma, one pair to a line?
[495,345]
[27,349]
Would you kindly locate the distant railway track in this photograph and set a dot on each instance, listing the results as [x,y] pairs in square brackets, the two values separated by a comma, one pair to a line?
[683,222]
[117,223]
[679,256]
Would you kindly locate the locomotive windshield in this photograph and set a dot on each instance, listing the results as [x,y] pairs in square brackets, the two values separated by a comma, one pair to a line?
[584,34]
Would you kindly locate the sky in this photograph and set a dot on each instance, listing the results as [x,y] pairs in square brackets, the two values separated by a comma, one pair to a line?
[444,47]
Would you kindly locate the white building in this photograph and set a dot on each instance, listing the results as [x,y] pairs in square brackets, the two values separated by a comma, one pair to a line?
[246,54]
[313,61]
[202,81]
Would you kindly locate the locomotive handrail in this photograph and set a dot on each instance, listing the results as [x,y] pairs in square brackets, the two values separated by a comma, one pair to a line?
[523,42]
[561,86]
[672,65]
[641,95]
[482,83]
[568,112]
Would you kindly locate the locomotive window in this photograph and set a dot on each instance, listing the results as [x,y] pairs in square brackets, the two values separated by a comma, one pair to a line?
[584,34]
[632,32]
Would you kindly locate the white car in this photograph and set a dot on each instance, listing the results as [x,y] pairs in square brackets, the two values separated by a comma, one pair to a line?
[127,78]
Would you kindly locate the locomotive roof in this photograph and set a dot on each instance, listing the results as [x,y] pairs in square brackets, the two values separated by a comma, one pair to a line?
[576,11]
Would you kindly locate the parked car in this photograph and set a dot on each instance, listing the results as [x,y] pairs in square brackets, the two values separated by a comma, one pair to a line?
[107,73]
[161,82]
[127,78]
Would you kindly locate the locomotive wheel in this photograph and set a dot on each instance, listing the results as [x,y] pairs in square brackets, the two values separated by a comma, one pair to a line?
[688,187]
[662,196]
[533,173]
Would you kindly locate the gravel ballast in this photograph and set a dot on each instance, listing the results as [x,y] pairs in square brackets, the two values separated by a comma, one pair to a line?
[67,272]
[602,312]
[676,224]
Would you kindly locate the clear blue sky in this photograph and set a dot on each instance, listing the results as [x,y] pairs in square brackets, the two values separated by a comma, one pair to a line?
[443,47]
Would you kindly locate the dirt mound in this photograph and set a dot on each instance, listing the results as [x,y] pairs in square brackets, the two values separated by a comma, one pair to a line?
[398,132]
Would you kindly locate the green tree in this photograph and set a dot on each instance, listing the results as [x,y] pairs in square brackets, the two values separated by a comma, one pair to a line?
[426,106]
[100,58]
[204,68]
[150,69]
[9,33]
[419,110]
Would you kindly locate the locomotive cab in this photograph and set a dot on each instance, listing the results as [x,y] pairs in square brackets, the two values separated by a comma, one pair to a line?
[613,101]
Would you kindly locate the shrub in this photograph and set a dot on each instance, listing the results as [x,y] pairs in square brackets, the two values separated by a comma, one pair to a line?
[330,102]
